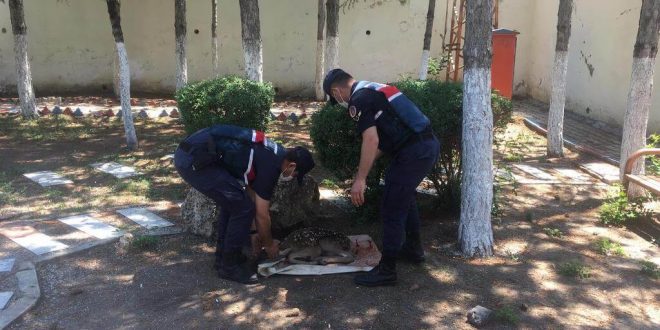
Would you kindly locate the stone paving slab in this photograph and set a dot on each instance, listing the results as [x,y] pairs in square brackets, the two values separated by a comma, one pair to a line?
[144,217]
[5,296]
[603,171]
[32,240]
[6,265]
[92,226]
[47,178]
[117,170]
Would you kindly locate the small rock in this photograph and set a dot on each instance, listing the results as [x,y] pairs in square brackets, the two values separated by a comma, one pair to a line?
[174,114]
[567,215]
[124,243]
[109,113]
[524,307]
[556,197]
[479,315]
[78,113]
[45,111]
[294,118]
[68,112]
[143,114]
[303,115]
[282,116]
[57,111]
[134,102]
[164,114]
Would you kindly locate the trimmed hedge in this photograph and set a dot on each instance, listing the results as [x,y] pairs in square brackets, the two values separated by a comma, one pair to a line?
[338,145]
[227,100]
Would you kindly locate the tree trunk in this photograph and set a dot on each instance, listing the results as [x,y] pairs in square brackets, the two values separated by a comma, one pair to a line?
[320,94]
[475,234]
[332,35]
[251,35]
[214,36]
[180,38]
[558,99]
[124,74]
[641,88]
[23,73]
[426,49]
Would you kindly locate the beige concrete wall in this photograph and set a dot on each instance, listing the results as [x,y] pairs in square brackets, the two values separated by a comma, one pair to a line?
[71,46]
[600,58]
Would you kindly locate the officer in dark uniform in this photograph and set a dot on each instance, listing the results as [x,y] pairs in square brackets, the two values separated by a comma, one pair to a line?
[204,169]
[413,155]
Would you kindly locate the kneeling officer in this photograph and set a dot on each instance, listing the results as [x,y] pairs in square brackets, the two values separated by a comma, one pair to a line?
[229,164]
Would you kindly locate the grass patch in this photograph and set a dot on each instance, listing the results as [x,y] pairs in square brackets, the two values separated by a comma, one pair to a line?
[574,269]
[329,184]
[617,209]
[8,195]
[650,269]
[507,314]
[143,243]
[553,232]
[607,247]
[133,186]
[516,148]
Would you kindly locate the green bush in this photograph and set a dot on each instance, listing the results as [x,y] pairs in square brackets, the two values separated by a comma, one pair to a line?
[338,145]
[574,269]
[607,247]
[650,269]
[228,100]
[617,209]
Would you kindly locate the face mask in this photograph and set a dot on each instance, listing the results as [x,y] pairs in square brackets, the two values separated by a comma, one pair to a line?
[287,178]
[341,101]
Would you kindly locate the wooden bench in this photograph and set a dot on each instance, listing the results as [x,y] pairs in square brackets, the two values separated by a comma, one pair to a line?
[648,182]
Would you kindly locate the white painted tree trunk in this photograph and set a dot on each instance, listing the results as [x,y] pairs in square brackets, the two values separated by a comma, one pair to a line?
[637,116]
[475,232]
[115,75]
[320,50]
[254,61]
[23,72]
[332,35]
[320,94]
[641,89]
[251,38]
[424,68]
[331,53]
[24,75]
[125,96]
[557,103]
[181,63]
[214,38]
[555,147]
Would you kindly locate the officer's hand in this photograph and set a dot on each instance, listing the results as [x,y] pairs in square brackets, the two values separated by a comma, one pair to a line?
[273,251]
[357,192]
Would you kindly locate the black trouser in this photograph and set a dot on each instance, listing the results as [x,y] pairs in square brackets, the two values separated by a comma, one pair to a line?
[237,209]
[399,211]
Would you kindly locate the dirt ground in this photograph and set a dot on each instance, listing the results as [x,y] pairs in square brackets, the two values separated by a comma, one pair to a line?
[173,285]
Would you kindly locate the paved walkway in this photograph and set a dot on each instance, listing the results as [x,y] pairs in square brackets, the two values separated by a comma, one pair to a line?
[587,135]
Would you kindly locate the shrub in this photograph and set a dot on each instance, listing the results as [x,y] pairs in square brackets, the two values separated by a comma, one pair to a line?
[338,145]
[553,232]
[650,269]
[574,269]
[607,247]
[228,100]
[617,209]
[507,314]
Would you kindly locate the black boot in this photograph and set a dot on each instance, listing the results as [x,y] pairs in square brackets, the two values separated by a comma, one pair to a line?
[411,250]
[381,275]
[232,269]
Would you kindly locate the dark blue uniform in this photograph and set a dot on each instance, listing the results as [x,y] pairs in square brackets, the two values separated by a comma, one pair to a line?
[413,157]
[237,210]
